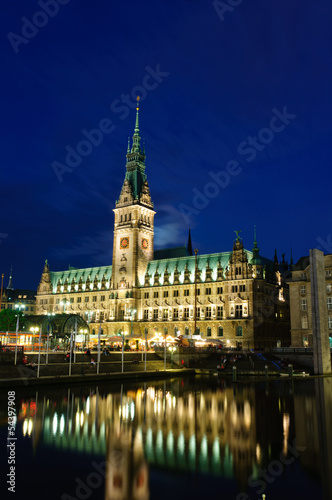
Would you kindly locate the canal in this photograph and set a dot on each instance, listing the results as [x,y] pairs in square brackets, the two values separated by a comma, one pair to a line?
[185,438]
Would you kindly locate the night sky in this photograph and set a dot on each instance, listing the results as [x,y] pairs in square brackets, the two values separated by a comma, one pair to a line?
[235,111]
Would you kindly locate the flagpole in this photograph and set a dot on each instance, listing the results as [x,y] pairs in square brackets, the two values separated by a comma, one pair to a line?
[17,327]
[98,359]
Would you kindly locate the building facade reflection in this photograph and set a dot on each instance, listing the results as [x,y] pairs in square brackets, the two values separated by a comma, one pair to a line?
[233,431]
[314,431]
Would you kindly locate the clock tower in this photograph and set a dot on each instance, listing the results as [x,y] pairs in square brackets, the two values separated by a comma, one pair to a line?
[133,226]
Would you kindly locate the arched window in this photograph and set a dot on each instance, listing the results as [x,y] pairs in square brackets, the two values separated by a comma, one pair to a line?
[125,217]
[239,331]
[208,331]
[129,216]
[220,331]
[186,330]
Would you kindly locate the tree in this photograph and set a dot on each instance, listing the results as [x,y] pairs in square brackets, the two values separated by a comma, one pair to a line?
[8,319]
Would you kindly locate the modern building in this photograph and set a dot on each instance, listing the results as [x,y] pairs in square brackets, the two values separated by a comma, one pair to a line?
[236,297]
[301,304]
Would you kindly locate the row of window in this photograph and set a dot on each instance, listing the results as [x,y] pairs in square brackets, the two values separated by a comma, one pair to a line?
[328,274]
[304,304]
[238,288]
[102,298]
[125,218]
[186,313]
[304,322]
[328,288]
[220,331]
[11,306]
[186,292]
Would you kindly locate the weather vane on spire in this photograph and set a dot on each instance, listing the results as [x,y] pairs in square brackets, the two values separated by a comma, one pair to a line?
[137,99]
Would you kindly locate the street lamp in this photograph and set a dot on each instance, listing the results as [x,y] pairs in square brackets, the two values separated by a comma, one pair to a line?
[83,331]
[33,329]
[19,307]
[48,334]
[172,348]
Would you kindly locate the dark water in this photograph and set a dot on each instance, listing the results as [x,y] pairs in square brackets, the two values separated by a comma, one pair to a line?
[197,438]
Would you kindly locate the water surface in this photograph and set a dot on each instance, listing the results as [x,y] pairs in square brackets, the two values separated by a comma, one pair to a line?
[200,438]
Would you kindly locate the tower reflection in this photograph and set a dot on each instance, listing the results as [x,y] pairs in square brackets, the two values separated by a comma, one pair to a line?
[235,431]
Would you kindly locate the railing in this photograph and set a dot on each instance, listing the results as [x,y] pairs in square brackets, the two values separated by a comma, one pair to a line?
[293,350]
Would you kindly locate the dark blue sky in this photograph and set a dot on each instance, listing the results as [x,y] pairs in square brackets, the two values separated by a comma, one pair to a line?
[212,81]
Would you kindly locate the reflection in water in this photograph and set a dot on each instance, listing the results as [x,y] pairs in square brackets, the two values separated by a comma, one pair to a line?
[230,432]
[314,431]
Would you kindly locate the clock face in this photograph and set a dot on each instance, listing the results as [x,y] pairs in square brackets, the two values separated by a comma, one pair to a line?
[124,242]
[145,244]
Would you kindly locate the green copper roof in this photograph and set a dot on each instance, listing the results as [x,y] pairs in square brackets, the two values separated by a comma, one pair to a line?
[60,277]
[136,178]
[180,263]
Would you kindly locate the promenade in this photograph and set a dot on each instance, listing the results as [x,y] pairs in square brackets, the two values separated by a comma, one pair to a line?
[55,368]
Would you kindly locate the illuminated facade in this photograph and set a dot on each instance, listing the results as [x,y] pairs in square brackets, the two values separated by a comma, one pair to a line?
[300,301]
[237,296]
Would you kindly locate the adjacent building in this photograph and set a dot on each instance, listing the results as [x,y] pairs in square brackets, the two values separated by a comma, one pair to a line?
[301,303]
[22,299]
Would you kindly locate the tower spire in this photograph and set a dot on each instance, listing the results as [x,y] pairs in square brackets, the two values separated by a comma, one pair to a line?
[136,148]
[135,186]
[255,250]
[10,282]
[137,115]
[189,247]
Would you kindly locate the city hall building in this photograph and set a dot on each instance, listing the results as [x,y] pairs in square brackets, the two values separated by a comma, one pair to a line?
[236,297]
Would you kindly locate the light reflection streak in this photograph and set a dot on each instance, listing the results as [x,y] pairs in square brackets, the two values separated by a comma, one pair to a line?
[214,430]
